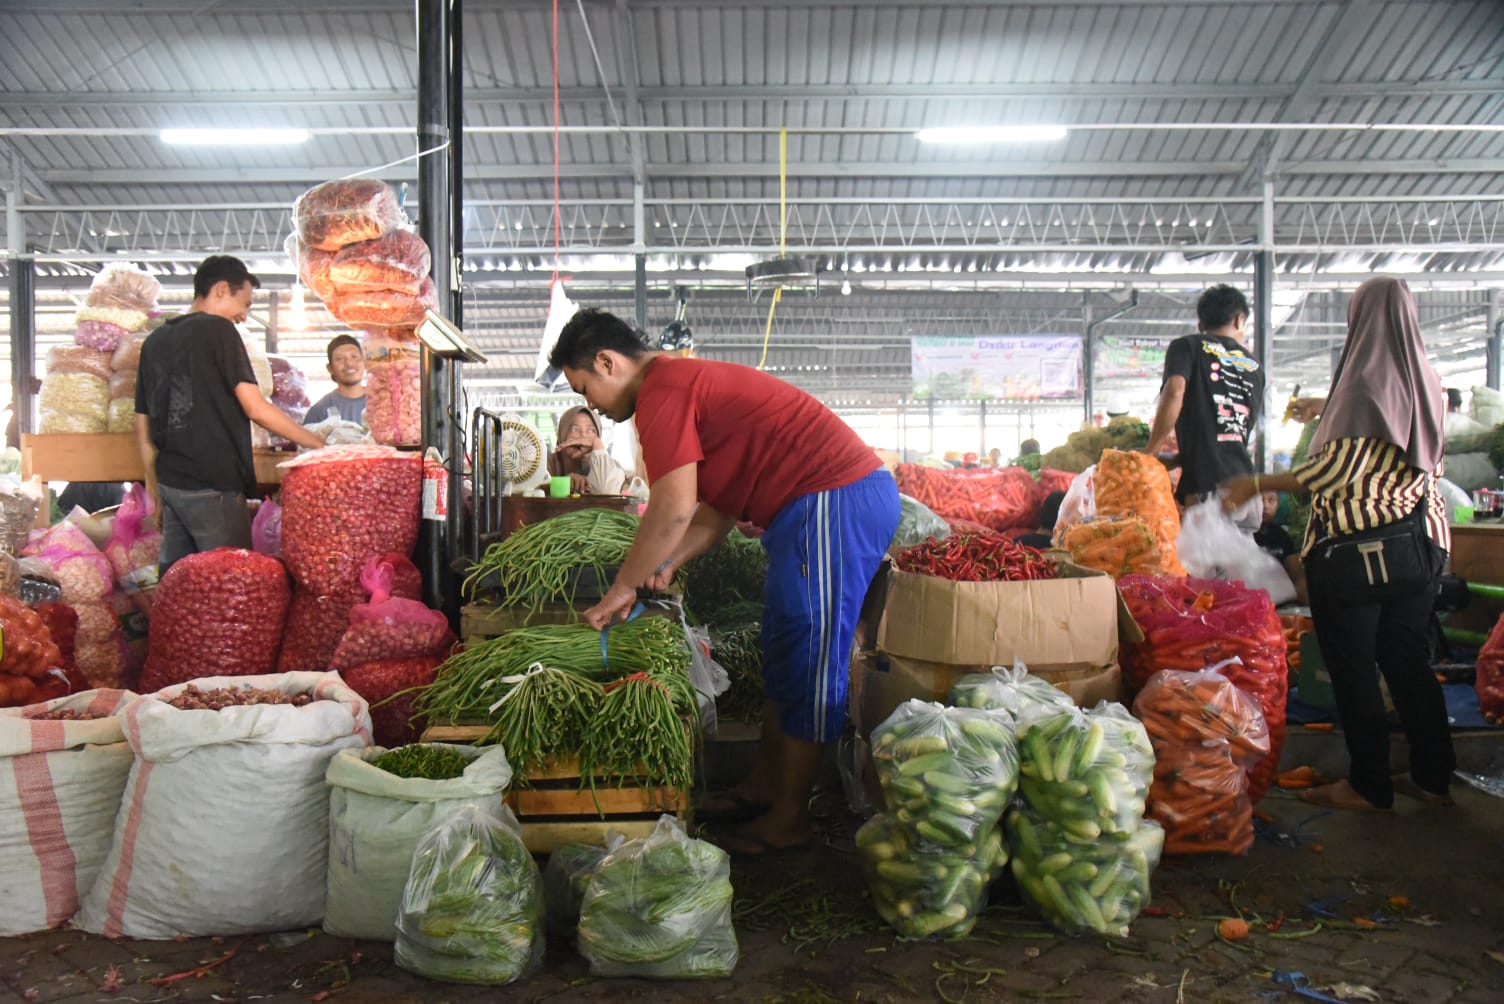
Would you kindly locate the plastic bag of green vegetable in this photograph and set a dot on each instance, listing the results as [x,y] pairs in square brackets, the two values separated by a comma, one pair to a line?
[472,911]
[946,773]
[1013,693]
[927,891]
[565,879]
[916,524]
[660,906]
[376,819]
[1081,884]
[1088,771]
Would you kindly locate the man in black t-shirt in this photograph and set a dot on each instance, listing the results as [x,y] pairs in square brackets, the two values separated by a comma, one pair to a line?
[1210,398]
[196,396]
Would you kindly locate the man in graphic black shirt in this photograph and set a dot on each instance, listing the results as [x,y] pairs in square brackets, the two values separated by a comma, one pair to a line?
[1211,397]
[196,396]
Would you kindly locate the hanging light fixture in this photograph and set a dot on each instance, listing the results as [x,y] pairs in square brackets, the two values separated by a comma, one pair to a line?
[297,309]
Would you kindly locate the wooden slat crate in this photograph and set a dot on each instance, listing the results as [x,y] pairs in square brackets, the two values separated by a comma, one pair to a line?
[479,621]
[554,810]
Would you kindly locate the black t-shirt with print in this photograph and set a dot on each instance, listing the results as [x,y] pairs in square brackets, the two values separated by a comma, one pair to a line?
[1224,391]
[186,388]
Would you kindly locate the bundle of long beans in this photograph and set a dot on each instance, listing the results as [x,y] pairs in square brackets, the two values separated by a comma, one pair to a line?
[544,713]
[468,683]
[739,651]
[538,564]
[638,732]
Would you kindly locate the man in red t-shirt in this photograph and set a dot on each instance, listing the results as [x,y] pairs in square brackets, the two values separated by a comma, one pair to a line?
[723,443]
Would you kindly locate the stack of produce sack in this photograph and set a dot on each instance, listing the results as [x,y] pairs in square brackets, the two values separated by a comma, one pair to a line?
[1475,441]
[217,613]
[1206,734]
[353,248]
[658,907]
[393,644]
[1489,682]
[1083,447]
[87,581]
[340,506]
[91,387]
[382,803]
[1006,499]
[1120,517]
[231,834]
[63,765]
[947,774]
[1082,851]
[1189,624]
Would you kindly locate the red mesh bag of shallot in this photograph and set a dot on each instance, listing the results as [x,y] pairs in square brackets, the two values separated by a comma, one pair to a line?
[342,504]
[216,613]
[389,627]
[315,624]
[392,723]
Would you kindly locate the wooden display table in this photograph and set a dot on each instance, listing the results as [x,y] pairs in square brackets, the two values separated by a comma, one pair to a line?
[111,457]
[1478,556]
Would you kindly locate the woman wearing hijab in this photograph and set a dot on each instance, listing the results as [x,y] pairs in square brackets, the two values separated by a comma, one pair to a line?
[1373,462]
[581,455]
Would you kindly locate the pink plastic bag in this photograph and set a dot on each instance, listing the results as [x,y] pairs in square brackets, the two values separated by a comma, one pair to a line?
[134,543]
[389,627]
[217,613]
[80,569]
[266,529]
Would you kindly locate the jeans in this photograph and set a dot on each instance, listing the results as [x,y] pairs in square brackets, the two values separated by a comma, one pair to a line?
[195,520]
[1358,643]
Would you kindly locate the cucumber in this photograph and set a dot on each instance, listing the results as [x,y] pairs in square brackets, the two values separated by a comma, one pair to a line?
[1055,898]
[950,784]
[1086,829]
[1077,873]
[928,831]
[987,732]
[913,746]
[917,765]
[906,872]
[1087,909]
[1038,753]
[1027,839]
[926,925]
[952,887]
[962,807]
[1104,880]
[1065,755]
[1091,747]
[1102,794]
[1058,861]
[883,850]
[962,828]
[908,786]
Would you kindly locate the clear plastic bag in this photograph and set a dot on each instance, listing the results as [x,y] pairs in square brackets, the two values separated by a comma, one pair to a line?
[388,626]
[916,524]
[337,213]
[78,566]
[134,543]
[925,892]
[1082,885]
[1211,546]
[127,355]
[74,402]
[126,321]
[65,359]
[266,528]
[394,399]
[1086,771]
[383,308]
[1010,692]
[472,911]
[18,514]
[1079,504]
[660,907]
[947,773]
[1117,545]
[124,286]
[397,260]
[565,879]
[101,335]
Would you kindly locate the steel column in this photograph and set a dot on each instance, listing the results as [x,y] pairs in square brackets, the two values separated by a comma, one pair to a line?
[1495,377]
[23,332]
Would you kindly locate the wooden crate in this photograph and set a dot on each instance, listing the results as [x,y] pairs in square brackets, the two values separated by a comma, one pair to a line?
[555,810]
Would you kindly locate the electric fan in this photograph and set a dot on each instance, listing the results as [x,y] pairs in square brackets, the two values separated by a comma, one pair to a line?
[523,466]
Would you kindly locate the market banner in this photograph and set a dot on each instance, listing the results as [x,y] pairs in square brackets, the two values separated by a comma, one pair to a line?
[996,367]
[1131,356]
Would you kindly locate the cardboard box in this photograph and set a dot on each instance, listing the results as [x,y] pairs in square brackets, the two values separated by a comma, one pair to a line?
[1052,624]
[880,683]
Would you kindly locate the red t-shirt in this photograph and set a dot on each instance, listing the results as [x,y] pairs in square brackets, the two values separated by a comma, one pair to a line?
[758,443]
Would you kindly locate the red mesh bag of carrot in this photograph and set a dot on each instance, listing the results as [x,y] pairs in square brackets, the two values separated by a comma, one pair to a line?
[1189,624]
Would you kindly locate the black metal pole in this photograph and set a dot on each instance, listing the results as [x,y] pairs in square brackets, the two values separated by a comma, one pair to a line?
[456,411]
[23,341]
[1263,310]
[433,227]
[640,293]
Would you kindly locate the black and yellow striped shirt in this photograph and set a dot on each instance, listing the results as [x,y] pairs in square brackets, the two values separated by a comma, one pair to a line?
[1360,484]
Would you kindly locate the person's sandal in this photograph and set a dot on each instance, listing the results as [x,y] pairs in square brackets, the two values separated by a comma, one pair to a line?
[1404,784]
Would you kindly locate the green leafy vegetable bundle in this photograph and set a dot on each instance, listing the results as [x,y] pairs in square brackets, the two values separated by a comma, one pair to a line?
[473,909]
[731,573]
[660,907]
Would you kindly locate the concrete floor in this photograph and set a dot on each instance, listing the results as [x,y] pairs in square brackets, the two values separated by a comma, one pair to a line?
[1409,902]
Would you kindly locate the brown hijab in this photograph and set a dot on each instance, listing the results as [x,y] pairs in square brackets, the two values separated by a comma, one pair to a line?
[1385,388]
[558,464]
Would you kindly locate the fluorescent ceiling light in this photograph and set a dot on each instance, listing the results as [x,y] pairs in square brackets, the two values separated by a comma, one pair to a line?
[993,134]
[234,137]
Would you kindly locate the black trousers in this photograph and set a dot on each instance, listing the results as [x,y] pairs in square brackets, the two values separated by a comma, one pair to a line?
[1358,643]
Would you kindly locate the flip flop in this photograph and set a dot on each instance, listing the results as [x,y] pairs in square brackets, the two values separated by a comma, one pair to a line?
[1404,784]
[729,807]
[744,845]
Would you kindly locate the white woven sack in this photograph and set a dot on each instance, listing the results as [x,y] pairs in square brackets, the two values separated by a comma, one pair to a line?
[375,821]
[60,784]
[224,824]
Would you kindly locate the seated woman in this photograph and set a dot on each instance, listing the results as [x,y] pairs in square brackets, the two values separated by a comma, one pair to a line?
[583,457]
[1273,539]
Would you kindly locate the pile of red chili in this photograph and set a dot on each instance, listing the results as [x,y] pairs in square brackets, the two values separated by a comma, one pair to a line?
[976,557]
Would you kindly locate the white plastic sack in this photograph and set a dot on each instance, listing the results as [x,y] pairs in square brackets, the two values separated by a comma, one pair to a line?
[1471,471]
[1487,405]
[1079,504]
[376,820]
[560,309]
[60,784]
[224,824]
[1212,547]
[1452,495]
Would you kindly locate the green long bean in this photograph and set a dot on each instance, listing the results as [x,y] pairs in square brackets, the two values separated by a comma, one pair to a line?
[543,714]
[538,564]
[638,733]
